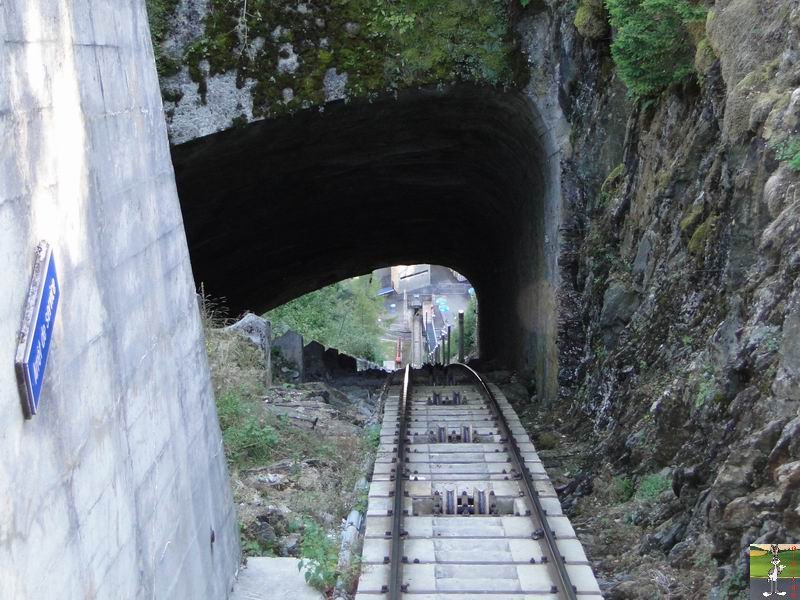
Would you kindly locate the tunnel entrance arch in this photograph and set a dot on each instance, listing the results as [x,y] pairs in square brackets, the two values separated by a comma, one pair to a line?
[466,177]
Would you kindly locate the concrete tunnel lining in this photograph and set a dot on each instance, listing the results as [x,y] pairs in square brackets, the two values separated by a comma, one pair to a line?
[462,177]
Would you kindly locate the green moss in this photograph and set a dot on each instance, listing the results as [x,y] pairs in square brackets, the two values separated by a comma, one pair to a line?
[611,185]
[691,218]
[159,15]
[704,57]
[697,242]
[381,46]
[613,180]
[591,19]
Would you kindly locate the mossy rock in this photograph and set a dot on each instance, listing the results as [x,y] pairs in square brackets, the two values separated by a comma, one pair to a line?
[744,96]
[613,180]
[691,219]
[380,46]
[701,235]
[611,184]
[160,18]
[591,20]
[704,57]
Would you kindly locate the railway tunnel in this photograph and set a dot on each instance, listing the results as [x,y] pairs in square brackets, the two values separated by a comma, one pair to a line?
[465,177]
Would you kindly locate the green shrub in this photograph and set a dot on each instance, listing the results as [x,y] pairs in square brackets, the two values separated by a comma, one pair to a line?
[706,387]
[622,489]
[373,435]
[789,152]
[546,441]
[248,439]
[319,556]
[651,486]
[342,316]
[652,45]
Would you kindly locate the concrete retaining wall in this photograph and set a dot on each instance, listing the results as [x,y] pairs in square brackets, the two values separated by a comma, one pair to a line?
[114,489]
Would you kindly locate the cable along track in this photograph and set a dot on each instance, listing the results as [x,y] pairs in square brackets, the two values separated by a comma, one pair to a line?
[460,506]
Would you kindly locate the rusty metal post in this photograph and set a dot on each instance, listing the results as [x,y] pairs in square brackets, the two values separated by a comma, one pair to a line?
[461,336]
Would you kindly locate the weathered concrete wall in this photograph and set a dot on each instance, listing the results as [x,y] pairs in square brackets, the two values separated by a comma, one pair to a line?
[290,345]
[114,489]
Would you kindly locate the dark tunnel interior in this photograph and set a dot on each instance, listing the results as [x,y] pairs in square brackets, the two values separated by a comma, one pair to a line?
[459,177]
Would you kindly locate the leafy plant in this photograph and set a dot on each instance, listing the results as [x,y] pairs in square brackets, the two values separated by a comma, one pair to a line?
[254,548]
[652,46]
[362,501]
[789,151]
[771,341]
[247,438]
[735,587]
[319,557]
[706,387]
[429,41]
[622,489]
[651,487]
[373,436]
[343,316]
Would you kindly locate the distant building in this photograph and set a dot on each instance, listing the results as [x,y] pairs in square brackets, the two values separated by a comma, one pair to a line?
[408,278]
[459,277]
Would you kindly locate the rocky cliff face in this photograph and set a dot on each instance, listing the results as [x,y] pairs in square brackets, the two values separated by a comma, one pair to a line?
[679,227]
[680,293]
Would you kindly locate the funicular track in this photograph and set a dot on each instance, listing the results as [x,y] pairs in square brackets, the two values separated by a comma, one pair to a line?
[460,506]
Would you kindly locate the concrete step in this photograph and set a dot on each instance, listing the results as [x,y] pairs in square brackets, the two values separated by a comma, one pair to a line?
[266,578]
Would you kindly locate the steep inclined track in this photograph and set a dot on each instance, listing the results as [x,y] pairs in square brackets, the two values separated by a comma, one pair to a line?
[462,522]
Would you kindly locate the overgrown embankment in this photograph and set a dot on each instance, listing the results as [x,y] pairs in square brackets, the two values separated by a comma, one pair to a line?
[295,454]
[345,316]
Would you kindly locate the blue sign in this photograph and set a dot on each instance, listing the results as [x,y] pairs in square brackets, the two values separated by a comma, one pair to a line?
[37,327]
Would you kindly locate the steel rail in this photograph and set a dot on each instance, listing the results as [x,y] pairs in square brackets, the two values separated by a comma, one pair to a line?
[396,586]
[566,589]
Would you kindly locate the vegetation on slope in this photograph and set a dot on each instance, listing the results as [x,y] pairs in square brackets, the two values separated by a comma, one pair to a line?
[294,459]
[280,45]
[653,44]
[342,316]
[159,13]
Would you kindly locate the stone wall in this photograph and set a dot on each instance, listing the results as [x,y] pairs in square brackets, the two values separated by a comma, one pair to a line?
[118,487]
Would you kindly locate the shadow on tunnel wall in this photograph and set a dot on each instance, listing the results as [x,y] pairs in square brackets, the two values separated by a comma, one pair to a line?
[464,176]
